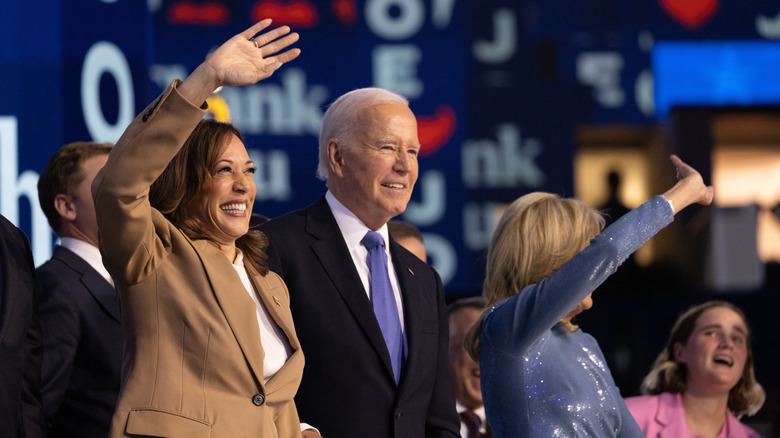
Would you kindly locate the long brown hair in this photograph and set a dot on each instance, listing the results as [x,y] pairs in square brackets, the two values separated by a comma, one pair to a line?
[537,234]
[190,172]
[668,375]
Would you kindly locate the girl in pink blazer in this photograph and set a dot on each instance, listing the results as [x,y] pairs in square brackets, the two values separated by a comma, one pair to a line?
[703,380]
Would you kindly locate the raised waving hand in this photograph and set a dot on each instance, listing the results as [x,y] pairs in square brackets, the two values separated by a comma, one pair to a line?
[244,59]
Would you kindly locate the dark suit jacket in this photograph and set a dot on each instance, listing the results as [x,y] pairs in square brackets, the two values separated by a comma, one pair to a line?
[82,338]
[348,388]
[21,412]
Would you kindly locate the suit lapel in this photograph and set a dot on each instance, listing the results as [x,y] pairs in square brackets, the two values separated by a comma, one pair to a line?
[241,317]
[272,299]
[408,282]
[276,299]
[16,261]
[8,271]
[104,293]
[670,414]
[333,254]
[100,289]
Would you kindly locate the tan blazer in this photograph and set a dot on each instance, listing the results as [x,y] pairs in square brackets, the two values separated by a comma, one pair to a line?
[193,359]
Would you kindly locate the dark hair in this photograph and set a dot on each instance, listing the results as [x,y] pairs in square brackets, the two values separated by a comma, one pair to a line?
[63,174]
[188,173]
[475,302]
[668,375]
[400,229]
[457,324]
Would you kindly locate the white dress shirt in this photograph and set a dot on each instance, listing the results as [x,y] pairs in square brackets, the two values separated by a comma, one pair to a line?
[353,230]
[277,349]
[480,411]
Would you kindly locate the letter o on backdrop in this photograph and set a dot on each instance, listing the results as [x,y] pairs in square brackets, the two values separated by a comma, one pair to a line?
[105,57]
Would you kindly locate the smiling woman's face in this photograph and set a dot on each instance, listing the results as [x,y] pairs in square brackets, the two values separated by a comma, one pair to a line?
[224,205]
[716,352]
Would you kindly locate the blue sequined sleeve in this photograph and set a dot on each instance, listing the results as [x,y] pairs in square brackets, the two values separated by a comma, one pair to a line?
[539,307]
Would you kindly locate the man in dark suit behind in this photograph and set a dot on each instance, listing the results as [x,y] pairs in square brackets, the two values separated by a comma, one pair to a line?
[21,413]
[77,305]
[351,387]
[468,386]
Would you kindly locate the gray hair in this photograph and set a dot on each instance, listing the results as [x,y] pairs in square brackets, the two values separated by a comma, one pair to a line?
[341,117]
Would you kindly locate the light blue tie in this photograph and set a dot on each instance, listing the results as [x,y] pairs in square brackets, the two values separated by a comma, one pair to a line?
[383,300]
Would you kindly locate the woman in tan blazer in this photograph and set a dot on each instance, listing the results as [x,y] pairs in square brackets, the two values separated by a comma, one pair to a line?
[210,347]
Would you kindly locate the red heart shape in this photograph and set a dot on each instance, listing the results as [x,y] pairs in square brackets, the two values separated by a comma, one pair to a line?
[434,131]
[299,13]
[205,14]
[345,10]
[691,13]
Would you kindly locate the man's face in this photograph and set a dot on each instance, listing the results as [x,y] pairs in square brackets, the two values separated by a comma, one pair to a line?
[414,246]
[375,174]
[464,370]
[85,221]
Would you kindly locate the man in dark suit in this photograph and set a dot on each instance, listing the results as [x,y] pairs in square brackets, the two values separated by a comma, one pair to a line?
[77,305]
[371,370]
[468,388]
[21,412]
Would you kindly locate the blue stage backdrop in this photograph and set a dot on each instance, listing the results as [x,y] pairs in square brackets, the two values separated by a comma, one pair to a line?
[68,71]
[499,88]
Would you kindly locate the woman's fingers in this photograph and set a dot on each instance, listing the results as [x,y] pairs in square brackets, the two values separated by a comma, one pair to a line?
[284,57]
[265,38]
[683,169]
[272,42]
[269,48]
[705,192]
[251,56]
[256,28]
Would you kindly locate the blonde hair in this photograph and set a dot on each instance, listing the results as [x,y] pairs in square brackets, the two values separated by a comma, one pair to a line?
[668,375]
[537,234]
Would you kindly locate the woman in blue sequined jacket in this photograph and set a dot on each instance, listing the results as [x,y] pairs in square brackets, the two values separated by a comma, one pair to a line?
[541,375]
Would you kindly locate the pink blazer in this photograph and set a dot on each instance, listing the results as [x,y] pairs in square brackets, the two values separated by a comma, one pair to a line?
[661,416]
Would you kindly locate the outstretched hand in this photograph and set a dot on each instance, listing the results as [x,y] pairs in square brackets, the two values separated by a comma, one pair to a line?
[248,57]
[690,187]
[244,59]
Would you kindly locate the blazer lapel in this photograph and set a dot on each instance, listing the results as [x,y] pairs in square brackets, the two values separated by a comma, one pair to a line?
[273,298]
[670,414]
[101,290]
[241,317]
[276,299]
[333,254]
[735,428]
